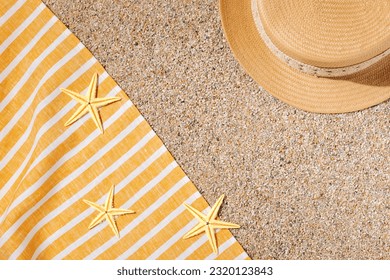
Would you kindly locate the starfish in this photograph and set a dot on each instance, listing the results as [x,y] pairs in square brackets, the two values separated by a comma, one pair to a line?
[89,103]
[208,223]
[107,212]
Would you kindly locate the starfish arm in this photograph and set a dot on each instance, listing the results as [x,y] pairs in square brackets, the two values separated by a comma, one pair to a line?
[109,200]
[96,117]
[118,211]
[199,228]
[197,214]
[94,205]
[76,96]
[100,102]
[211,236]
[222,224]
[215,209]
[111,222]
[81,111]
[92,89]
[98,219]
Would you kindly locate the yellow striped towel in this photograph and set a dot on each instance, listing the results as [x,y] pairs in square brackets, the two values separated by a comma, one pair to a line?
[48,169]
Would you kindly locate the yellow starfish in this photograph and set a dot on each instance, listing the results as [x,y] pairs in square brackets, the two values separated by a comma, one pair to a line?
[89,103]
[107,212]
[208,223]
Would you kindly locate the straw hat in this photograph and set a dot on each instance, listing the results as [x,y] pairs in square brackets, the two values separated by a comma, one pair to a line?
[327,56]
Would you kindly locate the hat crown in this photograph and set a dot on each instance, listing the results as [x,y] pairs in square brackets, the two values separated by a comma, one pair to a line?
[327,33]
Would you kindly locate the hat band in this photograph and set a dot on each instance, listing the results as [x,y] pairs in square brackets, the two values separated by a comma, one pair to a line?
[307,68]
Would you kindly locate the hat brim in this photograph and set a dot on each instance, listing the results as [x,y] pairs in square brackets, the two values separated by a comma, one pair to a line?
[314,94]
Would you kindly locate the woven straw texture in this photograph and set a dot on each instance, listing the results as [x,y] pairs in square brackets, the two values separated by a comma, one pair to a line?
[328,33]
[354,92]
